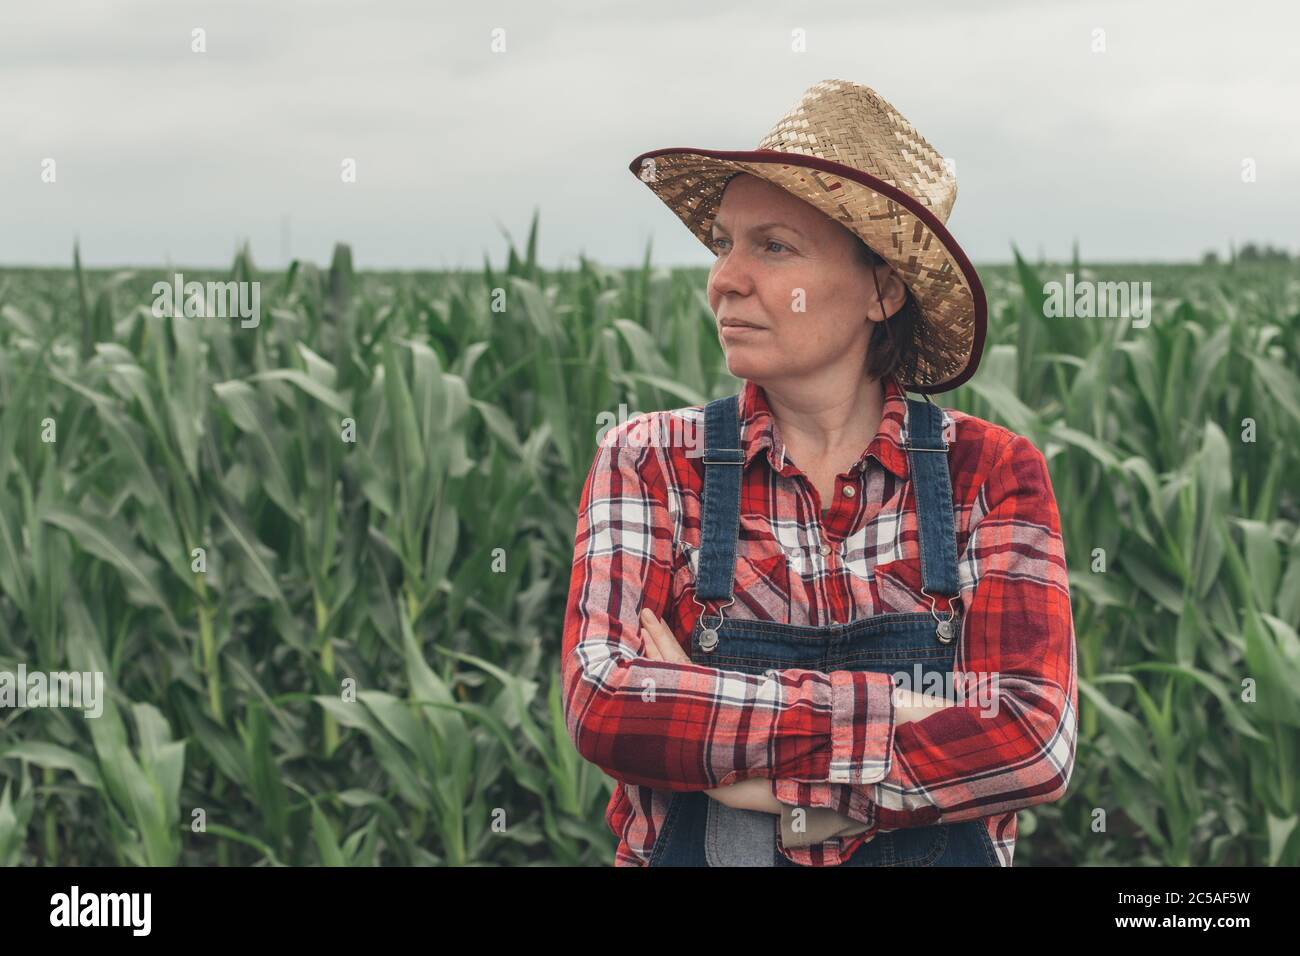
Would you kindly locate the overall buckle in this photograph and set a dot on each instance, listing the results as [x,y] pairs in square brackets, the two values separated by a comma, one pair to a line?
[943,428]
[709,636]
[943,629]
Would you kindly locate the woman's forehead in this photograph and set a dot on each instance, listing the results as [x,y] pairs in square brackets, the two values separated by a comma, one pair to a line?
[763,205]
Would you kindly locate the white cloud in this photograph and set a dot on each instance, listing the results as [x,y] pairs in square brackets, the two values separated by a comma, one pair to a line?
[164,154]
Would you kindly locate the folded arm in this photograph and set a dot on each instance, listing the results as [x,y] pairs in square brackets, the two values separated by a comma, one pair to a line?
[971,760]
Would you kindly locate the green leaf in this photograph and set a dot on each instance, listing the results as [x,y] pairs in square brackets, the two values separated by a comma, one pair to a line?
[110,541]
[326,841]
[56,758]
[326,396]
[1124,732]
[268,791]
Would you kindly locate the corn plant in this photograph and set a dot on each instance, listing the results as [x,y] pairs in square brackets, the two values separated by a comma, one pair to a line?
[322,562]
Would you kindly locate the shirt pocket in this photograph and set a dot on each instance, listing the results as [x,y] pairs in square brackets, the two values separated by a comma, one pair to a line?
[898,587]
[762,577]
[760,580]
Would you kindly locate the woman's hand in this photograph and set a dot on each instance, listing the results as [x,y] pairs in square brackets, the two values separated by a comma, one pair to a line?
[660,645]
[754,793]
[911,706]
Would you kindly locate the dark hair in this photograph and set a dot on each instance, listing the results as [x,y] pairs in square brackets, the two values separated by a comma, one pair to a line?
[892,350]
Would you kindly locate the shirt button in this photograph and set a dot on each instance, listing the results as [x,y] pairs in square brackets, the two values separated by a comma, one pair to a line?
[849,491]
[824,550]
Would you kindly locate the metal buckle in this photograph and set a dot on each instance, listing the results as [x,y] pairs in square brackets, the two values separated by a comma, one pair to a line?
[944,627]
[705,611]
[739,453]
[943,427]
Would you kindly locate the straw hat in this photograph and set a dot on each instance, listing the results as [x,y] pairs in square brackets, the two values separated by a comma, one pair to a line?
[847,152]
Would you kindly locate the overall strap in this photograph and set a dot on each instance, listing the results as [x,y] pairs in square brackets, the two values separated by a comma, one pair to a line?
[927,454]
[724,461]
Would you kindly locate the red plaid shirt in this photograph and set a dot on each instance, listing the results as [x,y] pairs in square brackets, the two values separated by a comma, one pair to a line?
[825,740]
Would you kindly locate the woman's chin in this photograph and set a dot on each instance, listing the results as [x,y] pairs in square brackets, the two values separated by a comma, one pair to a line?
[746,362]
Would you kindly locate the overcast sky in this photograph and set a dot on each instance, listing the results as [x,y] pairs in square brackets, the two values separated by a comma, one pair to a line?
[167,156]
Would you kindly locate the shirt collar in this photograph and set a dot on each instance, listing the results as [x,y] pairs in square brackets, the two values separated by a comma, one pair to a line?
[758,430]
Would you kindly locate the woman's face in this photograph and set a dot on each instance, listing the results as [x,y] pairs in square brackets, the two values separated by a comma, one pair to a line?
[794,273]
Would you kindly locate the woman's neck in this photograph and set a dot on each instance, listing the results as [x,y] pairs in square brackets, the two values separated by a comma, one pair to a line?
[815,423]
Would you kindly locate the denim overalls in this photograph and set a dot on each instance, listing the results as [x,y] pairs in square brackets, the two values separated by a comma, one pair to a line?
[700,831]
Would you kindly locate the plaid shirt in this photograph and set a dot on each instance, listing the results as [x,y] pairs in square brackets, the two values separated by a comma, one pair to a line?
[825,740]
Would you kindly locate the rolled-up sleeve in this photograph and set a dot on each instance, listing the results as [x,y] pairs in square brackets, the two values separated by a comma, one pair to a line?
[973,760]
[685,726]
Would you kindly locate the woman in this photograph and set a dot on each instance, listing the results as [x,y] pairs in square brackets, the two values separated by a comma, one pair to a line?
[755,635]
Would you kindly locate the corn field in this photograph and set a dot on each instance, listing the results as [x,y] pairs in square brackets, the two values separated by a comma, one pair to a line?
[322,563]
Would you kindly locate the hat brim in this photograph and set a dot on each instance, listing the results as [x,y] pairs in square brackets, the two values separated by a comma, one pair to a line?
[900,228]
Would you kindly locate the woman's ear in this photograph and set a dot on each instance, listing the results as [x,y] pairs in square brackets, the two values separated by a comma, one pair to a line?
[895,291]
[889,292]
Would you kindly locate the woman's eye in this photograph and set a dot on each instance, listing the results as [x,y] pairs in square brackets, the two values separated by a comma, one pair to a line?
[716,244]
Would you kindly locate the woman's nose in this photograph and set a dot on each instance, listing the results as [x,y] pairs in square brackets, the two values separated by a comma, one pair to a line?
[732,274]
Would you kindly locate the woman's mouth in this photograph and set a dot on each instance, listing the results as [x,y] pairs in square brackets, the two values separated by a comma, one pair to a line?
[732,329]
